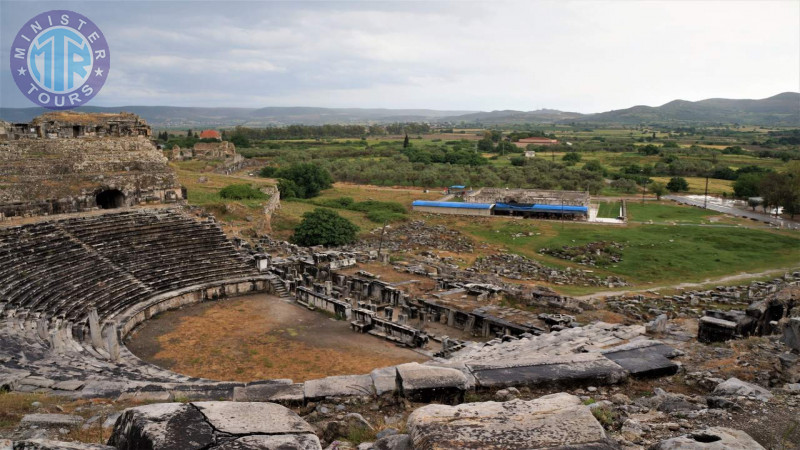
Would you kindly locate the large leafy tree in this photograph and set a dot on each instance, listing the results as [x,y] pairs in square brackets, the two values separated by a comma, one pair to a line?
[324,227]
[747,185]
[307,180]
[678,184]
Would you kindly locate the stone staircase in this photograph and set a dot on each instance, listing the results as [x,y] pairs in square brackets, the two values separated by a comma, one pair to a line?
[280,289]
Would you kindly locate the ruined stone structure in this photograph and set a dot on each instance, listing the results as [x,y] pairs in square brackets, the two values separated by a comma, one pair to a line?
[528,197]
[214,150]
[71,290]
[70,162]
[71,124]
[762,317]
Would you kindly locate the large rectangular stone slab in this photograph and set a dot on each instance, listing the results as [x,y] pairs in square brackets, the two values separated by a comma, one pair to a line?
[278,393]
[52,420]
[252,418]
[384,380]
[552,421]
[560,370]
[645,359]
[422,383]
[339,386]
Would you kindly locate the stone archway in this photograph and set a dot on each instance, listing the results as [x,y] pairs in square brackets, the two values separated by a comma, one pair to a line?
[110,199]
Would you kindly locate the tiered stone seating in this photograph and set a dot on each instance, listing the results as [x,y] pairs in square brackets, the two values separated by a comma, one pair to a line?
[110,262]
[165,250]
[54,273]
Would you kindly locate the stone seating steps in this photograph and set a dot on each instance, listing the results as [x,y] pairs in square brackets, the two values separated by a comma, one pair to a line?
[110,262]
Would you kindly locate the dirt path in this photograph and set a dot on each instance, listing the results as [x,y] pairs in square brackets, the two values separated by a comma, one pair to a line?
[260,337]
[722,280]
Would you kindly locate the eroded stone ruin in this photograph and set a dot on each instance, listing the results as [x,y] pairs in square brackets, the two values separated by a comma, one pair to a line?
[65,162]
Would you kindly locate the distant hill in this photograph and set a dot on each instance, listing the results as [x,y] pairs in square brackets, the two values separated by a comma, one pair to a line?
[779,110]
[194,117]
[513,117]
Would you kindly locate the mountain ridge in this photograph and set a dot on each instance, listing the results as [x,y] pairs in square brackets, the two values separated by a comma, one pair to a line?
[778,110]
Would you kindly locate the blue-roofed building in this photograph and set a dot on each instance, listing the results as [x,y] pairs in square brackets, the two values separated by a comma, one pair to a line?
[460,208]
[540,210]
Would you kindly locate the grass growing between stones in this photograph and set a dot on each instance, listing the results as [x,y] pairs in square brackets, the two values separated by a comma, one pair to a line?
[15,405]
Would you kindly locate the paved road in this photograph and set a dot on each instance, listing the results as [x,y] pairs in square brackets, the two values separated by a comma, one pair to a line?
[777,221]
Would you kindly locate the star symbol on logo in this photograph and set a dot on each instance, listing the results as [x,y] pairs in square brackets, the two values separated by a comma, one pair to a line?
[22,71]
[98,72]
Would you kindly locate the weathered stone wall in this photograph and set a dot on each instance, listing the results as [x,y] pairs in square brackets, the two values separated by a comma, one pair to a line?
[47,176]
[528,196]
[214,150]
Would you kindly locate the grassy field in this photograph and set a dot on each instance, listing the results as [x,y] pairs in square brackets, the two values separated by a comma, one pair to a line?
[608,210]
[697,185]
[202,189]
[660,212]
[653,254]
[291,212]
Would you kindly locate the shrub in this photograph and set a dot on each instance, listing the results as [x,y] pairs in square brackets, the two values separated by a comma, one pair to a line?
[290,189]
[309,178]
[267,171]
[241,192]
[677,184]
[571,158]
[625,185]
[324,227]
[341,202]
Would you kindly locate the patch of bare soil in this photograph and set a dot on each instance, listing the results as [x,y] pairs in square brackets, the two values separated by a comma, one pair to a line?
[260,337]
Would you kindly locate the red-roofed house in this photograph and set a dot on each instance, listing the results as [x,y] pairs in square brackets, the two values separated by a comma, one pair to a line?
[210,134]
[522,143]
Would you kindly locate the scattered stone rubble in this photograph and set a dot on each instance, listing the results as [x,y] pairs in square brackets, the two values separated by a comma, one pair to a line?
[418,234]
[517,267]
[600,253]
[766,316]
[692,303]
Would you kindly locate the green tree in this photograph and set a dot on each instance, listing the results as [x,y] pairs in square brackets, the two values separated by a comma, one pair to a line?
[506,147]
[324,227]
[594,166]
[747,185]
[486,145]
[308,178]
[290,189]
[571,158]
[658,189]
[406,143]
[267,171]
[678,184]
[240,141]
[189,133]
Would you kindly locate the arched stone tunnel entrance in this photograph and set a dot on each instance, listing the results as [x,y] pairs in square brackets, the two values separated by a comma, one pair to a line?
[110,199]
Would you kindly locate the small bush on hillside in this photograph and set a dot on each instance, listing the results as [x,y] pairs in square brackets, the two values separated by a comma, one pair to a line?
[241,192]
[267,171]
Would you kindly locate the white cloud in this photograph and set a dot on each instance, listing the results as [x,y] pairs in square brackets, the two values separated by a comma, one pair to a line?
[582,56]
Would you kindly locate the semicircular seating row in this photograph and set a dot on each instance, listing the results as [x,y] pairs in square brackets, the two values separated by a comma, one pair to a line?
[54,273]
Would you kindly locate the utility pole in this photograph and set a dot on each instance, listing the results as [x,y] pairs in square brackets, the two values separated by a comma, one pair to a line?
[705,200]
[562,213]
[644,189]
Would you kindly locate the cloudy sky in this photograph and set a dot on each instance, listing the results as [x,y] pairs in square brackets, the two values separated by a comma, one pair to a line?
[585,56]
